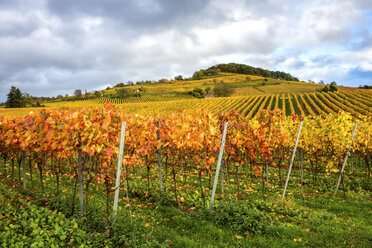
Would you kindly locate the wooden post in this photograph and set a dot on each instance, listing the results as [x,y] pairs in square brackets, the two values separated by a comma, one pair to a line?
[24,169]
[345,160]
[81,196]
[118,172]
[159,159]
[292,159]
[218,166]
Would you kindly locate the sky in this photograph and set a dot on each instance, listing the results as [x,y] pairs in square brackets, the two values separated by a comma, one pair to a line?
[50,47]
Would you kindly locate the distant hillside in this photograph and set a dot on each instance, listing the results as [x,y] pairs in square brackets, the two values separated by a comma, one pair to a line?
[252,89]
[250,70]
[242,85]
[168,90]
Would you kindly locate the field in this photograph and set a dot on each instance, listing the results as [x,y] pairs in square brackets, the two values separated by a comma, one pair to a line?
[249,96]
[59,184]
[310,217]
[355,102]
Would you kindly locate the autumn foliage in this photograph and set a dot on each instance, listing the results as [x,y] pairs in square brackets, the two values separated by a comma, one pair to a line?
[190,141]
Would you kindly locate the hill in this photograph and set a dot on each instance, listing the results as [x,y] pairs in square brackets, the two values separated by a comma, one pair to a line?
[250,70]
[250,93]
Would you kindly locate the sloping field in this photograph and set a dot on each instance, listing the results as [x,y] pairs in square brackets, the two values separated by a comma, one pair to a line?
[355,102]
[243,85]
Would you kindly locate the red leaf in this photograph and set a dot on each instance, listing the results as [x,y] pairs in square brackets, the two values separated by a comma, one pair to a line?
[109,151]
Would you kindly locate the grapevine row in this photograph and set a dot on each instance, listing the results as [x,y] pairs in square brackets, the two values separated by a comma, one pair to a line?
[189,142]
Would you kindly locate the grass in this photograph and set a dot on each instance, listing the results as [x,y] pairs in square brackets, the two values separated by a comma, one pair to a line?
[309,217]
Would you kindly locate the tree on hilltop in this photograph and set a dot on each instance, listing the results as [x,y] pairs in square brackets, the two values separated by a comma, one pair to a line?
[78,93]
[178,78]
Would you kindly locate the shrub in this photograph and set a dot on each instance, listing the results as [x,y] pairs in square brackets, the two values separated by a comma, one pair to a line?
[241,217]
[223,90]
[198,93]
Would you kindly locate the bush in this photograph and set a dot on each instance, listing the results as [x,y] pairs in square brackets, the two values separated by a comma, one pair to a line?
[123,93]
[28,225]
[241,217]
[223,90]
[207,90]
[198,93]
[178,78]
[329,88]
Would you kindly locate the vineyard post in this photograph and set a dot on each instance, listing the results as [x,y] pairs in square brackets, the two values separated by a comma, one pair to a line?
[159,158]
[352,159]
[292,159]
[302,167]
[222,189]
[218,166]
[222,167]
[81,196]
[345,160]
[24,169]
[118,172]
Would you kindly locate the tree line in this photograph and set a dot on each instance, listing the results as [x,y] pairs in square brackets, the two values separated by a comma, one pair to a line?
[246,69]
[17,99]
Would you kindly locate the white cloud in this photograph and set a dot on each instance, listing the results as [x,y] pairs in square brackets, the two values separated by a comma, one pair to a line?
[361,58]
[329,22]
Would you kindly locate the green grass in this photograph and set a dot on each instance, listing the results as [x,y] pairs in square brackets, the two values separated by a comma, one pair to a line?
[309,217]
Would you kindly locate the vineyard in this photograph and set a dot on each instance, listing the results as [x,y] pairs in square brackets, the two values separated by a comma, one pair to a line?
[356,102]
[173,157]
[315,103]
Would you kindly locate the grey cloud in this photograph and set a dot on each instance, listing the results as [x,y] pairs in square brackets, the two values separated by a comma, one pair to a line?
[363,4]
[20,5]
[296,64]
[145,14]
[20,29]
[324,59]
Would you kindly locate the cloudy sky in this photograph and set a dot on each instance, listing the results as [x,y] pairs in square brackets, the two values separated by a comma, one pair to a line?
[51,47]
